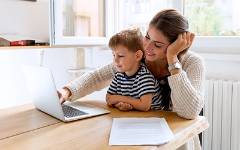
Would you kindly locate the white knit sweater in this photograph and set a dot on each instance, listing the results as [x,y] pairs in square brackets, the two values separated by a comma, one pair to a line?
[186,88]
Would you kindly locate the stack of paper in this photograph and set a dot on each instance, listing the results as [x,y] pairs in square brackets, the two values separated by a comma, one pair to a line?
[140,131]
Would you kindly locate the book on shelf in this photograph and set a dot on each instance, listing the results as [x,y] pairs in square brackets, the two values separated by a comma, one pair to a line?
[22,43]
[17,40]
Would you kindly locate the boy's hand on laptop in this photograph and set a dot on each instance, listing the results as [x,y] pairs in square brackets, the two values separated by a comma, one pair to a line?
[124,106]
[64,94]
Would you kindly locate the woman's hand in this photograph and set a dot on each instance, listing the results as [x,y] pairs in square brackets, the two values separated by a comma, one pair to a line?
[64,94]
[183,41]
[123,106]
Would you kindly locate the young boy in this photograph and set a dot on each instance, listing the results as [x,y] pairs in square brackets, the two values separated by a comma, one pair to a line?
[133,83]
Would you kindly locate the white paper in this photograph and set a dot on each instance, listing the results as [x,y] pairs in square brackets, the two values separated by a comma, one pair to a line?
[140,131]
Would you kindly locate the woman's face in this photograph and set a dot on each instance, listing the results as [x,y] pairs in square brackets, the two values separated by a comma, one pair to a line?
[155,45]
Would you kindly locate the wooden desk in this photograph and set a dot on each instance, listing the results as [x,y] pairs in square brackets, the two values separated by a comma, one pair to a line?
[93,133]
[22,119]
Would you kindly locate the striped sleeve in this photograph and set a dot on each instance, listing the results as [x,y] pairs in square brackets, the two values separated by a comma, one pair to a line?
[146,84]
[113,86]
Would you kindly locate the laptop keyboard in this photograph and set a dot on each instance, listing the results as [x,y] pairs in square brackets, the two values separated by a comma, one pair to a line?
[71,112]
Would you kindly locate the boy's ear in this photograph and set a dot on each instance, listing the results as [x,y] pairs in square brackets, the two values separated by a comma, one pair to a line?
[139,55]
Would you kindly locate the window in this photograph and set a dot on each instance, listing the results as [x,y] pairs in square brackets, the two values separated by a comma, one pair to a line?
[82,19]
[81,22]
[138,13]
[206,17]
[215,22]
[213,17]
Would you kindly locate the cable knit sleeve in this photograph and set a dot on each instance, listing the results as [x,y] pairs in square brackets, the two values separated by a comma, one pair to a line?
[187,88]
[90,82]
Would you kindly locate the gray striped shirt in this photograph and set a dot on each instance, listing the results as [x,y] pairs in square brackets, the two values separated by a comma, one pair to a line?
[141,83]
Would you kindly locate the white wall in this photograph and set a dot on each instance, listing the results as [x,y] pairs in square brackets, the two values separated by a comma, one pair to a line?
[28,19]
[13,90]
[59,60]
[12,83]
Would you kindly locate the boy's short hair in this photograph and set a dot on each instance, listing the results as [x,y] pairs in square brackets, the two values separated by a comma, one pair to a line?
[130,38]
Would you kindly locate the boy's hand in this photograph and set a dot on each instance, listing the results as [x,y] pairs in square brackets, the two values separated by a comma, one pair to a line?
[111,102]
[64,94]
[111,99]
[124,106]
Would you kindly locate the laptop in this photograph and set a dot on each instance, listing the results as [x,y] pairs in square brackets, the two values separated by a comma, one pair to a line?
[42,89]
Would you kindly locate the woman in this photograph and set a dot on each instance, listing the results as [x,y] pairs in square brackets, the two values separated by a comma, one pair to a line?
[180,72]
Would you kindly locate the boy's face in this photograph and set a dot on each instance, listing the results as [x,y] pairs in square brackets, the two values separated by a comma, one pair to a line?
[124,60]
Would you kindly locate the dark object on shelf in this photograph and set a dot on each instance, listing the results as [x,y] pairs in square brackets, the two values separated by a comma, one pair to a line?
[30,0]
[41,43]
[16,40]
[23,43]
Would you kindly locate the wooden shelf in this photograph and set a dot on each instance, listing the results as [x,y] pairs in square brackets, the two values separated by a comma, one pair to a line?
[45,46]
[23,47]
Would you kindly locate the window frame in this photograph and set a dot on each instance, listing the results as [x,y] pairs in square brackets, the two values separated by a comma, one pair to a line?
[57,39]
[207,44]
[202,44]
[214,44]
[217,44]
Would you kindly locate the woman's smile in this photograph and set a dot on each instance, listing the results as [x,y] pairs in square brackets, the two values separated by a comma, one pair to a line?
[148,53]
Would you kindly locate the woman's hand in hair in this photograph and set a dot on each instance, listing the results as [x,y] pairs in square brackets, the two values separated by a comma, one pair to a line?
[183,42]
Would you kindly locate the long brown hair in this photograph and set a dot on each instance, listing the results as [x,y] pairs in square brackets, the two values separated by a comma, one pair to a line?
[171,23]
